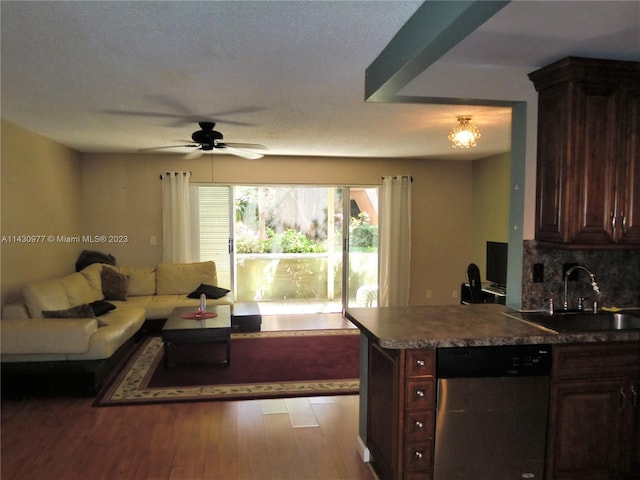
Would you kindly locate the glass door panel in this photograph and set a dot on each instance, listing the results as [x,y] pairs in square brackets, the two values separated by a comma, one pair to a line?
[361,277]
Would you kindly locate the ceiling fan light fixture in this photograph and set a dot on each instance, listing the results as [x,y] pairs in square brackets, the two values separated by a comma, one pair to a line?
[464,135]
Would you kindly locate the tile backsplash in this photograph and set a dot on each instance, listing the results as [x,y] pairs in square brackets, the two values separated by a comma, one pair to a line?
[617,273]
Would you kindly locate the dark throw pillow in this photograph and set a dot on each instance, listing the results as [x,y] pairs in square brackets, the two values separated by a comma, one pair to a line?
[88,257]
[210,291]
[114,284]
[100,307]
[79,311]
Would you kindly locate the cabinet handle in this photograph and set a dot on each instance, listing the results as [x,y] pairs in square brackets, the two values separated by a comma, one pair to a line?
[420,363]
[624,223]
[613,223]
[419,425]
[635,396]
[418,454]
[420,393]
[623,397]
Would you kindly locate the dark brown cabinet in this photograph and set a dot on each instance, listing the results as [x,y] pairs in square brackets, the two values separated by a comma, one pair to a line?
[588,168]
[401,412]
[594,419]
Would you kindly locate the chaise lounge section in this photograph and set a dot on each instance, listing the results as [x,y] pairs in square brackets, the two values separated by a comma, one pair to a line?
[74,329]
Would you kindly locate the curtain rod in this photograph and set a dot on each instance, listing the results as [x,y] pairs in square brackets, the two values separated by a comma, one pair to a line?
[399,176]
[174,173]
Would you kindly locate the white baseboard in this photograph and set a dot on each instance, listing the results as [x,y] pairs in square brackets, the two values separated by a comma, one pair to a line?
[363,451]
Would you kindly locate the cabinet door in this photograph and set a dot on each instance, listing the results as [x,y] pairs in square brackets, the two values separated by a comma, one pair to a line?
[382,410]
[597,154]
[630,454]
[554,143]
[628,215]
[586,425]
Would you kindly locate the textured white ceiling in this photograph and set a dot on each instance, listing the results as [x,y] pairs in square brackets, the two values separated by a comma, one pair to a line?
[124,76]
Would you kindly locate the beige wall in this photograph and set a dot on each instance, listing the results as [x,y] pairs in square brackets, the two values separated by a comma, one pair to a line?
[123,196]
[41,196]
[50,190]
[490,205]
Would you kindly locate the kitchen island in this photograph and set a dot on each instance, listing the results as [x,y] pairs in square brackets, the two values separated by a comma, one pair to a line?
[592,373]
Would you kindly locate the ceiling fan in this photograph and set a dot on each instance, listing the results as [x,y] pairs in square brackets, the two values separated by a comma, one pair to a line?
[207,139]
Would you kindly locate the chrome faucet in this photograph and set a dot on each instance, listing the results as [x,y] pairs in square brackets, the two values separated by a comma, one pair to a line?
[594,285]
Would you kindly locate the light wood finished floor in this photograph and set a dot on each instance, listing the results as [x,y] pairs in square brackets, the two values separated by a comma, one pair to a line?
[296,438]
[68,439]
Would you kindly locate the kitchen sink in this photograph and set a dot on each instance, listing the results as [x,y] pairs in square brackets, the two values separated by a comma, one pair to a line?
[583,321]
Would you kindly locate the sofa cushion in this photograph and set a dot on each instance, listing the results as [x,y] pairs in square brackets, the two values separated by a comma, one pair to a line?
[46,295]
[92,274]
[160,306]
[184,278]
[142,280]
[47,336]
[17,309]
[77,289]
[114,284]
[210,291]
[121,324]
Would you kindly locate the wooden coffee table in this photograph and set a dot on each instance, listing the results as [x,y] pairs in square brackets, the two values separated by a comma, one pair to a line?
[178,330]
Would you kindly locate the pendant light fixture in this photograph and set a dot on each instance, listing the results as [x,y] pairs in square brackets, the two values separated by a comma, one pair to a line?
[464,135]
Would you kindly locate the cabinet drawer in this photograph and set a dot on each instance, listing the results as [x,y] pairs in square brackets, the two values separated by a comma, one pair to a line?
[587,361]
[420,394]
[419,426]
[420,363]
[418,456]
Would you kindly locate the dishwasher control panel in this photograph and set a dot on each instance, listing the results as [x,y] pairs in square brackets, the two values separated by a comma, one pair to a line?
[490,361]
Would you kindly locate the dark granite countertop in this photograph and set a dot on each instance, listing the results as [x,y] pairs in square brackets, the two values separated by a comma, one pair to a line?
[463,325]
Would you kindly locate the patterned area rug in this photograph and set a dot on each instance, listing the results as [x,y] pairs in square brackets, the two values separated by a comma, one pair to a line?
[263,365]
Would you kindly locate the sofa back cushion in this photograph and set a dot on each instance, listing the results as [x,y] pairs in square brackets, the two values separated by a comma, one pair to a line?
[77,289]
[142,280]
[184,278]
[92,274]
[58,294]
[45,295]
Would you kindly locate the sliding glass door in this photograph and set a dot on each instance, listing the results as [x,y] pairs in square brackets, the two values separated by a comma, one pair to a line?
[360,278]
[297,248]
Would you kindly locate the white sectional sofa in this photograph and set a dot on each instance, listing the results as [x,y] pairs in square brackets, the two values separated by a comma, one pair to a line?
[84,322]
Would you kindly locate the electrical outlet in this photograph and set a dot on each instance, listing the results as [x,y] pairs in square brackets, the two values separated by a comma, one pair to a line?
[538,272]
[454,294]
[429,293]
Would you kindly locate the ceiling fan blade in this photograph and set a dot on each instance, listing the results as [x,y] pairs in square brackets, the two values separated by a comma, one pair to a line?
[245,145]
[197,153]
[166,147]
[242,153]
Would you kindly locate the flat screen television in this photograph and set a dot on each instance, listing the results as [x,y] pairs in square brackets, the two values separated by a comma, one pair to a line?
[497,254]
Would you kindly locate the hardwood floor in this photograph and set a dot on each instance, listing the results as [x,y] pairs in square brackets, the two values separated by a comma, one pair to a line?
[68,439]
[63,438]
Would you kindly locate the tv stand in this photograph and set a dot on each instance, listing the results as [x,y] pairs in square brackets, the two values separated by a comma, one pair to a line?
[490,294]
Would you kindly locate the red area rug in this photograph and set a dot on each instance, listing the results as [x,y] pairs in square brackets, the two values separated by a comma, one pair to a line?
[263,365]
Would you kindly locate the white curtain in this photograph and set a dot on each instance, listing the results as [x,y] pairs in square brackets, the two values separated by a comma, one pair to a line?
[176,217]
[395,241]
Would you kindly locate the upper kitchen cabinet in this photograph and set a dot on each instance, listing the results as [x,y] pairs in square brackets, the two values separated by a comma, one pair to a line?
[588,169]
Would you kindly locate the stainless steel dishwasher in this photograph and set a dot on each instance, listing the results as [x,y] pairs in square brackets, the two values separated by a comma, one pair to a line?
[492,405]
